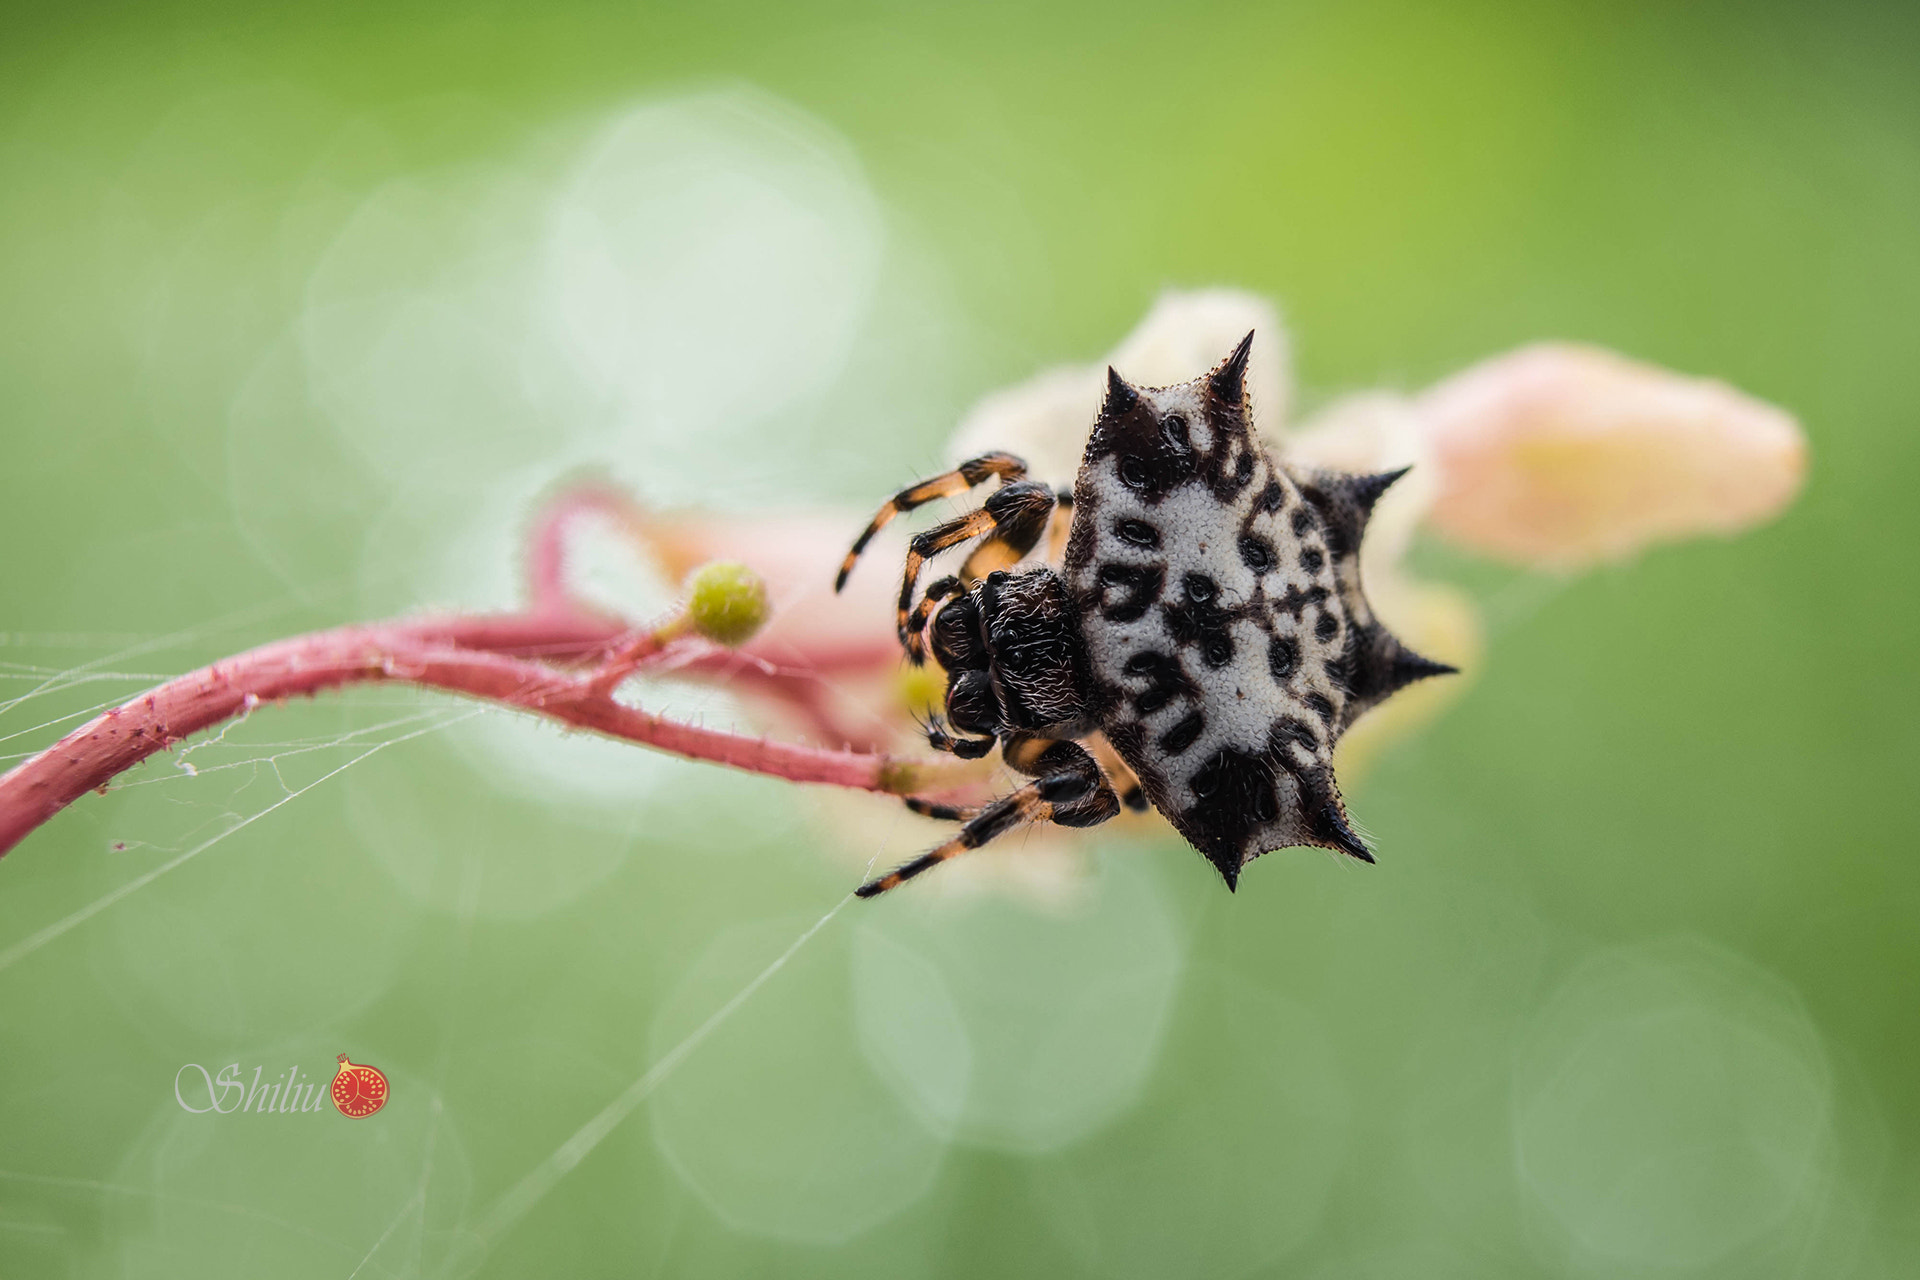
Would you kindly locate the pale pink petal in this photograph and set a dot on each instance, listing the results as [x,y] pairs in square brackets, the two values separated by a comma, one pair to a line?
[798,553]
[1559,456]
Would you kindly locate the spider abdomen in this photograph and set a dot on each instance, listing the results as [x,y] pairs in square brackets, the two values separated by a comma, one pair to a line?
[1227,641]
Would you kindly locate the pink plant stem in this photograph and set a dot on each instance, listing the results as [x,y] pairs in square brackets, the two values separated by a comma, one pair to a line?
[806,697]
[483,657]
[547,548]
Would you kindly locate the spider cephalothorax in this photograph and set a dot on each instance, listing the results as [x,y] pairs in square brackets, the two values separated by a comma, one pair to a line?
[1208,623]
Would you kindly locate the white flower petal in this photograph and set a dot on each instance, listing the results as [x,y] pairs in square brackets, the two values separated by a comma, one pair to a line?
[1047,418]
[1189,332]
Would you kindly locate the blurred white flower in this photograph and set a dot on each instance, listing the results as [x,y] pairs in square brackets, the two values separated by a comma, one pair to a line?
[1047,418]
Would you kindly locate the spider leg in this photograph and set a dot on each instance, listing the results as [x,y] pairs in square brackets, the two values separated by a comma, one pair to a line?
[944,812]
[966,748]
[1125,781]
[937,590]
[1016,515]
[1070,791]
[964,477]
[1020,752]
[1024,754]
[1019,531]
[1060,527]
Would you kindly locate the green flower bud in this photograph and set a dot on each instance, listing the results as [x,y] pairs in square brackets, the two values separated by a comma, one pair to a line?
[726,602]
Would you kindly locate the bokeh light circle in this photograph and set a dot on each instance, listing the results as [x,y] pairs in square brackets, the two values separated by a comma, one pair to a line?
[776,1121]
[1062,1010]
[1671,1104]
[1228,1163]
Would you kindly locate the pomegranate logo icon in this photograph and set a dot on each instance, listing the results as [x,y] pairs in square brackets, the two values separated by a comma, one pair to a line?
[358,1089]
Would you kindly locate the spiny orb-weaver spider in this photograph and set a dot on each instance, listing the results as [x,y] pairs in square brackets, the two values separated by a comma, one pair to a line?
[1206,635]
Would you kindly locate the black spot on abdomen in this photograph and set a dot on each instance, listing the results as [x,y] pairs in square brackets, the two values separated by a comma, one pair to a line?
[1165,680]
[1293,600]
[1233,793]
[1184,734]
[1226,483]
[1288,730]
[1200,622]
[1283,657]
[1155,474]
[1127,591]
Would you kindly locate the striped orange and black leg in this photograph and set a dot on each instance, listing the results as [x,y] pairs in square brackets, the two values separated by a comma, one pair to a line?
[1022,515]
[1060,526]
[938,590]
[966,748]
[944,812]
[1031,755]
[1026,753]
[968,474]
[1125,781]
[1016,515]
[924,547]
[1073,793]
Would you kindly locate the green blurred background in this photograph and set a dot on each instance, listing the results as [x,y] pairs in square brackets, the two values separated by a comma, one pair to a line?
[299,310]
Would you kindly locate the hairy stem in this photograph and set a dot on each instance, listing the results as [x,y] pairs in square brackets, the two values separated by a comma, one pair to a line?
[512,659]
